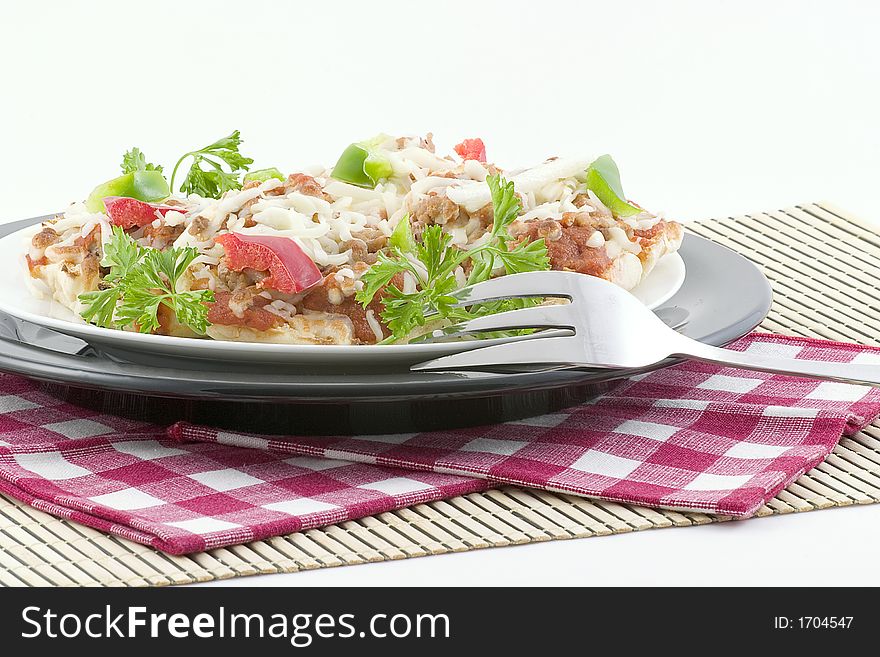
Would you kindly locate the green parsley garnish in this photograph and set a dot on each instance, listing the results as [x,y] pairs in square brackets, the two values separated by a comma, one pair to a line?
[432,262]
[140,280]
[214,180]
[134,160]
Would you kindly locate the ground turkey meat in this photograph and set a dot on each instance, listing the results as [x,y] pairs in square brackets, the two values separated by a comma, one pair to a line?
[237,280]
[164,235]
[45,238]
[41,241]
[432,210]
[82,246]
[365,245]
[441,210]
[302,183]
[198,226]
[486,216]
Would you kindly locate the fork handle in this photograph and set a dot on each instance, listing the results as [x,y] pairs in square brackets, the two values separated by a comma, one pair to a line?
[844,372]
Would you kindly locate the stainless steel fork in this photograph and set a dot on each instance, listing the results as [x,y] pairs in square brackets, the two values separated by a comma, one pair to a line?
[603,326]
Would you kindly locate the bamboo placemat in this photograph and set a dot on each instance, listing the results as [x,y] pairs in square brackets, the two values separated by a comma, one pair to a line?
[823,265]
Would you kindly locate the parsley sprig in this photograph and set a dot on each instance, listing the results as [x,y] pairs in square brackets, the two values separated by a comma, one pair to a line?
[134,160]
[433,261]
[213,180]
[141,280]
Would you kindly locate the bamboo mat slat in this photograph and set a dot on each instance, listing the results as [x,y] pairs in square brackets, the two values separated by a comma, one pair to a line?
[824,265]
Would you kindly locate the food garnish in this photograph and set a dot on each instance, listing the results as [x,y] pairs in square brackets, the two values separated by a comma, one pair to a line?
[432,262]
[141,280]
[131,213]
[603,179]
[141,184]
[363,164]
[290,270]
[134,160]
[213,181]
[472,149]
[262,175]
[145,181]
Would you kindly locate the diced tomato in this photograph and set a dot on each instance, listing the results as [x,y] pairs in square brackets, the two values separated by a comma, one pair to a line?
[472,149]
[290,269]
[131,213]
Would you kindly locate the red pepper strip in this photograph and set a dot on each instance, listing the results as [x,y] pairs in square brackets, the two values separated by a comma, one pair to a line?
[290,269]
[130,213]
[472,149]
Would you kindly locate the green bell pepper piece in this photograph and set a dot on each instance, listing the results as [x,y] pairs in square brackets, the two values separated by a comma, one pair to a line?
[362,164]
[402,237]
[603,179]
[262,175]
[148,186]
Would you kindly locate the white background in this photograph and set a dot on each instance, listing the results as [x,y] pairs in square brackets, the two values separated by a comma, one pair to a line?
[710,109]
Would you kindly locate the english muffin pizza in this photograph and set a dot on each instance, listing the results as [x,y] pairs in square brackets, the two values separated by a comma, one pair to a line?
[358,253]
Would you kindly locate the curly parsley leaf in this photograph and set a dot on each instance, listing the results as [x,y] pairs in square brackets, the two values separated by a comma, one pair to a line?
[380,275]
[190,309]
[121,254]
[139,307]
[497,253]
[210,184]
[134,160]
[434,252]
[403,312]
[207,176]
[438,261]
[100,306]
[141,280]
[506,206]
[526,256]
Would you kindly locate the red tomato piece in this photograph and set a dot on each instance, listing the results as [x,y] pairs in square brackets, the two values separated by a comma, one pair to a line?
[290,269]
[131,213]
[472,149]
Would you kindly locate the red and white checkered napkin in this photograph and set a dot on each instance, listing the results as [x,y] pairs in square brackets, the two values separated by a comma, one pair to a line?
[130,479]
[693,436]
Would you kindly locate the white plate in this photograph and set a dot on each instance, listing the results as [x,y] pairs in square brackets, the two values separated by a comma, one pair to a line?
[17,299]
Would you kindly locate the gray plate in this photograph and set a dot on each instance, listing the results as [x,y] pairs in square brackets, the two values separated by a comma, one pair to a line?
[724,296]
